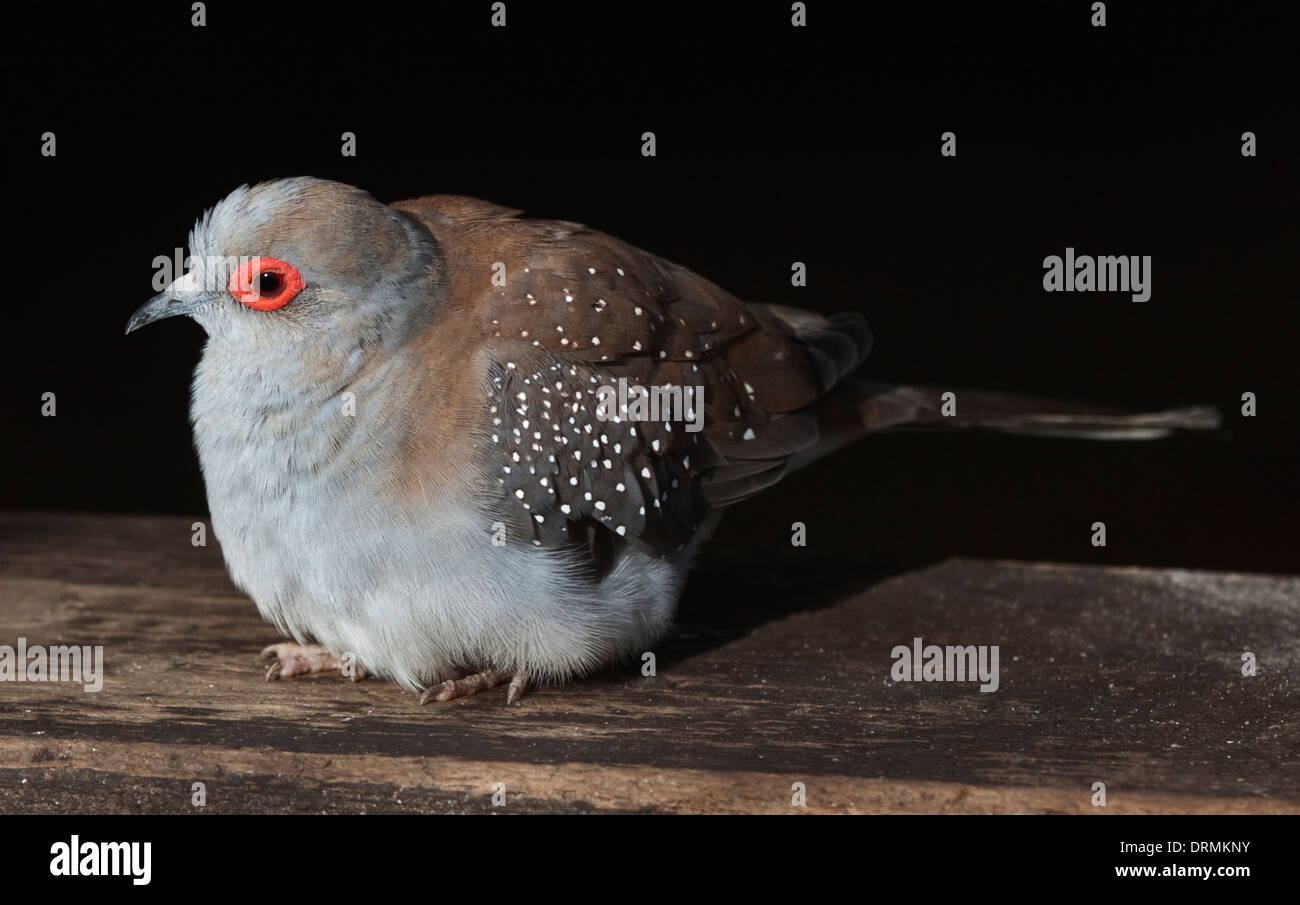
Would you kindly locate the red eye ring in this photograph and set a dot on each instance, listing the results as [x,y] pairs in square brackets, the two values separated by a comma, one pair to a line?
[265,284]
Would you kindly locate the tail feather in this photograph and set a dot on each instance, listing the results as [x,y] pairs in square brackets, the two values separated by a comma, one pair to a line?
[836,344]
[850,408]
[855,408]
[888,406]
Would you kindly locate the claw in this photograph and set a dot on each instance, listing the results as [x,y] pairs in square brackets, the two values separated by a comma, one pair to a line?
[518,685]
[471,684]
[292,659]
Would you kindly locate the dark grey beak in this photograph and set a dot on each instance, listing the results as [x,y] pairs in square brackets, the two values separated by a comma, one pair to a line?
[165,304]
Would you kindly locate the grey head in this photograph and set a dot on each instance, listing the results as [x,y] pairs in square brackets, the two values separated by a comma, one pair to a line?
[297,261]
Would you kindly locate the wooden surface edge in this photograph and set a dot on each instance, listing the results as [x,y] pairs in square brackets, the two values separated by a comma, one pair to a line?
[575,786]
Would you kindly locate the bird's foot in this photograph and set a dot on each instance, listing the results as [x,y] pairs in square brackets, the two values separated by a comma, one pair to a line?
[291,659]
[488,678]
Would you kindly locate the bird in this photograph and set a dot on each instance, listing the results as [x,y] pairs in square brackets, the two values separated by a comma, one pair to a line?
[429,442]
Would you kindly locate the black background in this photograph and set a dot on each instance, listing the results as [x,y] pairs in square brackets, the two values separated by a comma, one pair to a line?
[775,144]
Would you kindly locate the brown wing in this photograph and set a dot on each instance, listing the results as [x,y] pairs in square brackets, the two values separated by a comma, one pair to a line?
[581,311]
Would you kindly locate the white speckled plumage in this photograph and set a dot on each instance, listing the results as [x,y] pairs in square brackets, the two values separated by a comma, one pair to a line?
[370,533]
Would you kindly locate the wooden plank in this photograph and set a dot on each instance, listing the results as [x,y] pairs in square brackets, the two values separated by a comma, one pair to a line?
[1131,677]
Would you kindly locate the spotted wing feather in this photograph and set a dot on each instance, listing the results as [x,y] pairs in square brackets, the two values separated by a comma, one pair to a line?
[570,311]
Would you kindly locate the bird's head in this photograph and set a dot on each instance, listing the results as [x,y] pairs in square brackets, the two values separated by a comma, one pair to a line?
[298,261]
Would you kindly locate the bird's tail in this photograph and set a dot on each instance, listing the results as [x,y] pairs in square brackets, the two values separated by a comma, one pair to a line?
[852,408]
[855,408]
[883,406]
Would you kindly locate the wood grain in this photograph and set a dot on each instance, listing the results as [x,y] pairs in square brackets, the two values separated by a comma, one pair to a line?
[779,674]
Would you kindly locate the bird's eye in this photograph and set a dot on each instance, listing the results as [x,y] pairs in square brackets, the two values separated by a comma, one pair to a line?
[269,283]
[265,284]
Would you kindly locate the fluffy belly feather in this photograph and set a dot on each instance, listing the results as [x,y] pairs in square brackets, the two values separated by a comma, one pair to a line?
[423,596]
